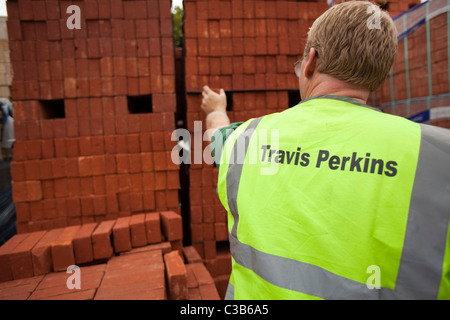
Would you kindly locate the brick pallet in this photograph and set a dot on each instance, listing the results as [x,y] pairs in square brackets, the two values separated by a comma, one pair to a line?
[157,267]
[418,74]
[94,110]
[248,48]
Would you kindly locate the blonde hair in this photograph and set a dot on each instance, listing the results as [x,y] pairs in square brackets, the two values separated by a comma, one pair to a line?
[356,42]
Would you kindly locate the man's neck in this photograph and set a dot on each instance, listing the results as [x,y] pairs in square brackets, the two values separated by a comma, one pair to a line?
[326,85]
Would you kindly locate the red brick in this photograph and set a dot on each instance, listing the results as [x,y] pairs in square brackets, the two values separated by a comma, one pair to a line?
[191,255]
[201,273]
[20,258]
[101,239]
[133,275]
[99,202]
[112,206]
[172,200]
[98,165]
[146,142]
[147,162]
[49,208]
[62,249]
[97,145]
[112,183]
[194,293]
[136,202]
[5,251]
[173,180]
[160,199]
[138,231]
[48,189]
[58,168]
[82,244]
[209,292]
[73,187]
[33,190]
[18,172]
[139,289]
[22,212]
[121,235]
[123,200]
[153,227]
[36,210]
[149,200]
[85,166]
[176,276]
[50,294]
[165,247]
[61,188]
[191,280]
[99,185]
[123,163]
[171,225]
[87,206]
[221,231]
[135,163]
[33,149]
[210,251]
[73,207]
[71,167]
[110,164]
[19,289]
[92,9]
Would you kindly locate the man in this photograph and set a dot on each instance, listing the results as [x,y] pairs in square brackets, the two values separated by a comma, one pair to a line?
[357,202]
[8,137]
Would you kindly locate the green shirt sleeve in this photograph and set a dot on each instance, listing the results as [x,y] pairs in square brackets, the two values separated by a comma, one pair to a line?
[218,140]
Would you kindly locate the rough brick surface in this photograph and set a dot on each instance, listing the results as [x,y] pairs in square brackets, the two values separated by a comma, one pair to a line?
[121,235]
[164,247]
[54,285]
[171,225]
[20,258]
[138,232]
[82,243]
[101,240]
[153,227]
[176,276]
[191,255]
[62,249]
[201,273]
[41,254]
[134,276]
[5,252]
[19,289]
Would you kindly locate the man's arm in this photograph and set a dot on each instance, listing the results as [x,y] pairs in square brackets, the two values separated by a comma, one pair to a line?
[215,107]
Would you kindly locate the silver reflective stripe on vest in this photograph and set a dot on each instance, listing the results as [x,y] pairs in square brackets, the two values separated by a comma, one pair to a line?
[229,295]
[420,269]
[235,169]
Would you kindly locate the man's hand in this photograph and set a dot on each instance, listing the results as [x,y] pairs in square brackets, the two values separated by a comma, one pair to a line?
[215,107]
[212,101]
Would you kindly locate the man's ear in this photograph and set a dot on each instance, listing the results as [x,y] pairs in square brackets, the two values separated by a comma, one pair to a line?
[311,63]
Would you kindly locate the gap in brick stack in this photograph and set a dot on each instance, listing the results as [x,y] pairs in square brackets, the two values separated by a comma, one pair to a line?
[180,123]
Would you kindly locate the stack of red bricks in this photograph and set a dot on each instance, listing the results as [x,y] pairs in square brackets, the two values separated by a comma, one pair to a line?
[138,257]
[94,111]
[418,72]
[248,48]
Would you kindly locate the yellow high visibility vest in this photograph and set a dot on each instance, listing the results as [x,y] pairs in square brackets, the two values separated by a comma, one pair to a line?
[331,199]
